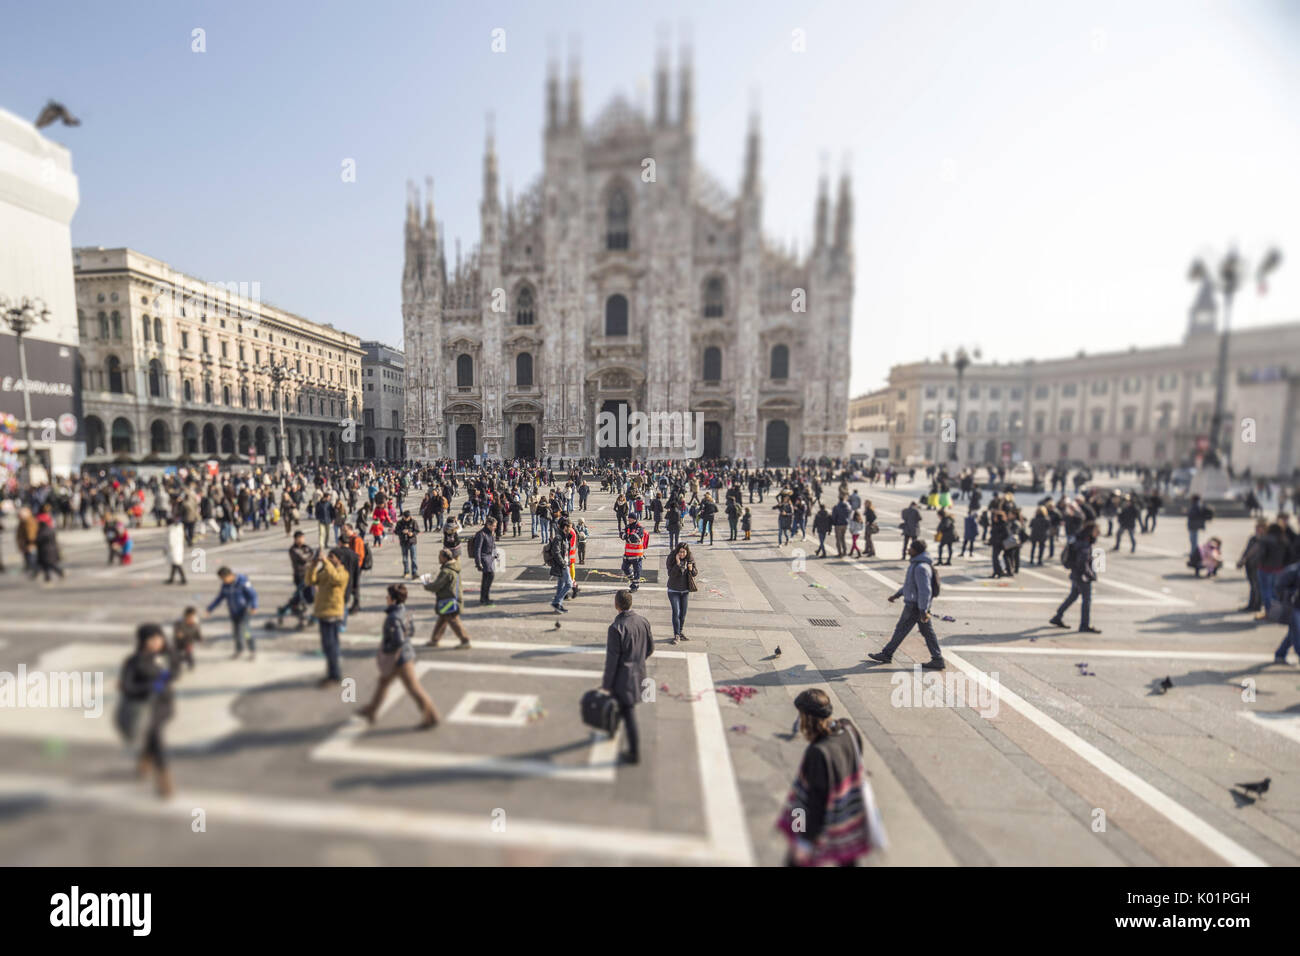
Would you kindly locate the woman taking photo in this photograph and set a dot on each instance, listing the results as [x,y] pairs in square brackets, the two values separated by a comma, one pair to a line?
[446,590]
[396,659]
[681,582]
[830,815]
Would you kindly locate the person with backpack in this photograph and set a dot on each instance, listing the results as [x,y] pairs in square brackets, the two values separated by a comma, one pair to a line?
[407,535]
[920,588]
[484,547]
[1077,557]
[241,601]
[970,534]
[448,598]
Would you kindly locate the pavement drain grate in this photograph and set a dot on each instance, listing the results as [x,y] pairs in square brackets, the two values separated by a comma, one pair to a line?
[823,622]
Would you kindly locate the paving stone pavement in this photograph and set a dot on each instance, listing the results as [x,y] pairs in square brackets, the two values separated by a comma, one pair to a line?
[1016,755]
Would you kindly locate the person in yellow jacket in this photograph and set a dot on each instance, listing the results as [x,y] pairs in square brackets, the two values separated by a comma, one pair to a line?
[329,576]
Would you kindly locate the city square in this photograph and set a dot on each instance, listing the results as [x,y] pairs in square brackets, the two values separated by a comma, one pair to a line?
[1081,757]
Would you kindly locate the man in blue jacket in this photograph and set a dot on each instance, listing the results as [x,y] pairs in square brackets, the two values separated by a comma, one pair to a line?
[241,600]
[917,593]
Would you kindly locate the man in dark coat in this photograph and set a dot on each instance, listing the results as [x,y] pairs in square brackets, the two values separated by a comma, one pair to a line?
[911,527]
[627,645]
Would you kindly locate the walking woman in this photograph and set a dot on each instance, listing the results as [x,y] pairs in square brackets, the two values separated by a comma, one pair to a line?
[681,582]
[868,519]
[396,659]
[946,535]
[146,705]
[830,815]
[856,527]
[446,589]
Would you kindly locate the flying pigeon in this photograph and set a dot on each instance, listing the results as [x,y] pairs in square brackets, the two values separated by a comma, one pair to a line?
[54,112]
[1261,787]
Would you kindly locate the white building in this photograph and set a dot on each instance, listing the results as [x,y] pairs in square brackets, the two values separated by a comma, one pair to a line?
[38,195]
[1149,406]
[625,278]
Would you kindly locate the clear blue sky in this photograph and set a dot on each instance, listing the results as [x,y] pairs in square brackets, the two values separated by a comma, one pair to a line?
[1030,177]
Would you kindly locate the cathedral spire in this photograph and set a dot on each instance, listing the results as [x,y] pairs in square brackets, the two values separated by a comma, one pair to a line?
[574,115]
[552,95]
[752,146]
[428,204]
[822,221]
[490,167]
[844,214]
[685,95]
[661,88]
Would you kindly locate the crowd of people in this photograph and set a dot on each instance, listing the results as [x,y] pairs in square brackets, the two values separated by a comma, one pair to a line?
[335,519]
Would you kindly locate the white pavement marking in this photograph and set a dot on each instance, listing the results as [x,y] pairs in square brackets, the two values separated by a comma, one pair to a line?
[1172,653]
[370,820]
[1222,845]
[1109,580]
[1164,599]
[723,811]
[1280,722]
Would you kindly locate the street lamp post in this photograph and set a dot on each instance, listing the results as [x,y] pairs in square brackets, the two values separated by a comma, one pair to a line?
[1229,282]
[21,319]
[961,361]
[281,373]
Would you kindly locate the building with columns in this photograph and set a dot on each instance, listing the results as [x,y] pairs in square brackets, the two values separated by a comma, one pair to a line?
[625,278]
[1148,406]
[172,366]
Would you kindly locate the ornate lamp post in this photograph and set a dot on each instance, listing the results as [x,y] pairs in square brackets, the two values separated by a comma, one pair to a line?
[961,361]
[1228,281]
[21,319]
[281,373]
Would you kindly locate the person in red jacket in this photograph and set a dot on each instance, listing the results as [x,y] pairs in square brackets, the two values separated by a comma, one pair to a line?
[636,540]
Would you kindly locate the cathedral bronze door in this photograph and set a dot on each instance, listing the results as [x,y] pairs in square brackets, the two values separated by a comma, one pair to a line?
[712,440]
[776,447]
[466,442]
[617,449]
[525,441]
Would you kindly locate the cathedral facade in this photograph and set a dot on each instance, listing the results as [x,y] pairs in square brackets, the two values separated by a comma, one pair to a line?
[626,280]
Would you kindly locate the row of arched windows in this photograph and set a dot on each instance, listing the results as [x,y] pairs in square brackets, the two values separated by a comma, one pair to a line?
[778,366]
[616,306]
[523,370]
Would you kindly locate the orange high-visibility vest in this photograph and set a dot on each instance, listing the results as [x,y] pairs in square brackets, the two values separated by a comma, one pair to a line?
[636,544]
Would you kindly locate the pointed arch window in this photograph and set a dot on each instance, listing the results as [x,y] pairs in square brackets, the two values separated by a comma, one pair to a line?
[617,217]
[524,370]
[524,306]
[713,364]
[464,371]
[713,298]
[616,315]
[780,362]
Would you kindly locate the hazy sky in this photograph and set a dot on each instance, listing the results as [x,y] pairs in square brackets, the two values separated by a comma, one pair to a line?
[1030,177]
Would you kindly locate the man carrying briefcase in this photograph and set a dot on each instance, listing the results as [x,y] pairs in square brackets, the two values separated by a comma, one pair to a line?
[627,645]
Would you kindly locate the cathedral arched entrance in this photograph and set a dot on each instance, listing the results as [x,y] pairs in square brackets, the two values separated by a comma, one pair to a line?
[525,441]
[466,442]
[712,440]
[776,444]
[613,439]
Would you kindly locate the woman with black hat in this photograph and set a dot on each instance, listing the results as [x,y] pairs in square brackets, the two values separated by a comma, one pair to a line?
[830,815]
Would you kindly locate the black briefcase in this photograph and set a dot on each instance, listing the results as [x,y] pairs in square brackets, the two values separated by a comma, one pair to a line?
[600,711]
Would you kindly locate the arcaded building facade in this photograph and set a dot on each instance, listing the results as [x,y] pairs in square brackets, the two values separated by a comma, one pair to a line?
[626,278]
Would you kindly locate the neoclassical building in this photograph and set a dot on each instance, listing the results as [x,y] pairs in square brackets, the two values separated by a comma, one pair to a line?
[626,278]
[172,366]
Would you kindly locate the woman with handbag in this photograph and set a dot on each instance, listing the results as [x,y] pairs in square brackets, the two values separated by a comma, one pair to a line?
[830,815]
[446,590]
[869,519]
[681,582]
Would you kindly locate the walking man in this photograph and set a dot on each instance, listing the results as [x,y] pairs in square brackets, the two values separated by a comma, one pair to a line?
[628,644]
[636,540]
[485,560]
[911,527]
[917,592]
[1081,577]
